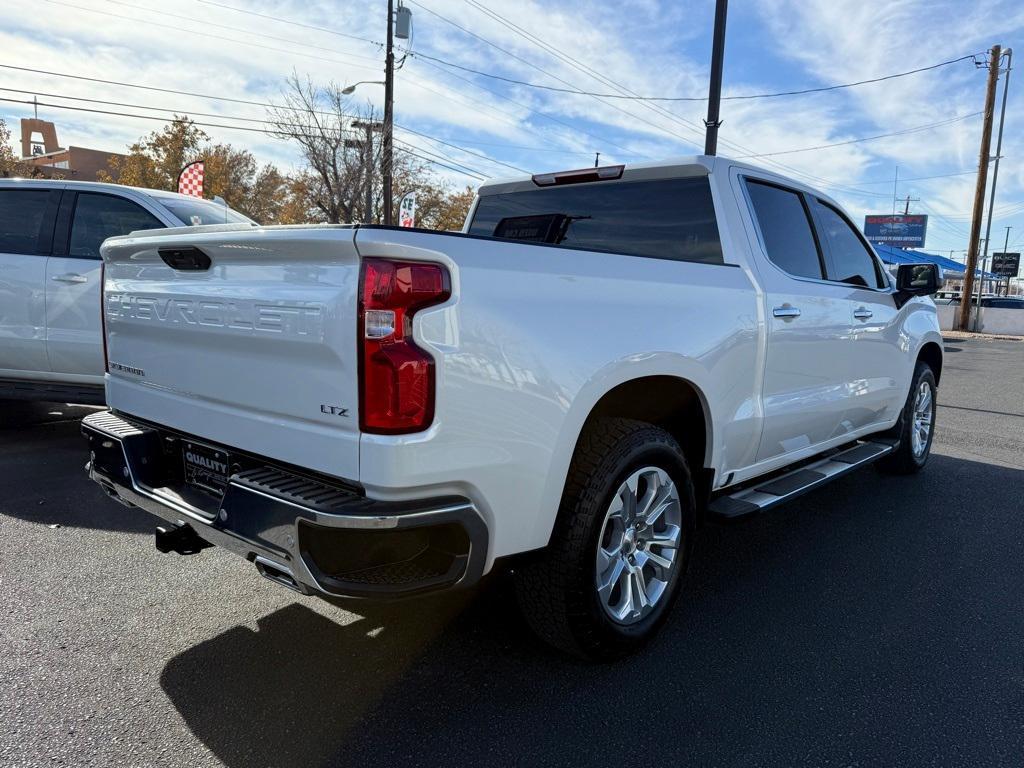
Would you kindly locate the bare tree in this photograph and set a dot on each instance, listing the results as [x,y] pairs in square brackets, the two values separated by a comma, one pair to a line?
[320,120]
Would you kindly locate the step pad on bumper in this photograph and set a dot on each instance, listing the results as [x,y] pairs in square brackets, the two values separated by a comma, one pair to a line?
[328,538]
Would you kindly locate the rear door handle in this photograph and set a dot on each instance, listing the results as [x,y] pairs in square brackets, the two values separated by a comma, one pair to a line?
[70,277]
[862,313]
[786,312]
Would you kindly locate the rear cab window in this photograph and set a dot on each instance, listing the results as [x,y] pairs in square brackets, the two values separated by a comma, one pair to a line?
[664,219]
[785,224]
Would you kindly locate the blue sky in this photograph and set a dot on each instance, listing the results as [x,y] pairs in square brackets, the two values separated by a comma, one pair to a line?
[647,47]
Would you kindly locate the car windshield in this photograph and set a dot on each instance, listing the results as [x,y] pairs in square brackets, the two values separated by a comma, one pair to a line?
[198,213]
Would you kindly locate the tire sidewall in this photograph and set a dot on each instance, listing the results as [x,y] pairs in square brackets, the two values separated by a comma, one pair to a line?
[611,475]
[923,373]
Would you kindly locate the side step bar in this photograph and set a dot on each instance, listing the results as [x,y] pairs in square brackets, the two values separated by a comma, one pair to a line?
[764,494]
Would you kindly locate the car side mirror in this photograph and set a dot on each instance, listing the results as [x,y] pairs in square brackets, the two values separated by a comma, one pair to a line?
[917,280]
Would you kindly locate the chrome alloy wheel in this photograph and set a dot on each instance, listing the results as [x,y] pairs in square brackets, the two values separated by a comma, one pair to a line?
[924,415]
[639,545]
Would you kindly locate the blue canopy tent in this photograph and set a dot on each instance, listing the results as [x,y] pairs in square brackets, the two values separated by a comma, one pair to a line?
[891,255]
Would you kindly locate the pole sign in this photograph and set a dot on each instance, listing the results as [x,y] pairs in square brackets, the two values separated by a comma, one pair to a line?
[407,211]
[1005,264]
[903,231]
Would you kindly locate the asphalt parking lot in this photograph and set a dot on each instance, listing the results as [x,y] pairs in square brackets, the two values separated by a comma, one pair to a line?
[879,621]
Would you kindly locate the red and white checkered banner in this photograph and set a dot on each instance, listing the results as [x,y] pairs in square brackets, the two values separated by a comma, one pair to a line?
[190,180]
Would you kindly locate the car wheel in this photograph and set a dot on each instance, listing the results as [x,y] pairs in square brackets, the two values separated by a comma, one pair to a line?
[915,429]
[621,544]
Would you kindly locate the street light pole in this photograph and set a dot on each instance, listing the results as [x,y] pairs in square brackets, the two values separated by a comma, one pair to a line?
[389,85]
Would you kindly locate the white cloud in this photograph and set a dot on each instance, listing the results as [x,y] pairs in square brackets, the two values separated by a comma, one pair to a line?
[648,46]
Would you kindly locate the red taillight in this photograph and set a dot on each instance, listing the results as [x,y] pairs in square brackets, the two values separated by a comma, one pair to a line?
[396,382]
[103,315]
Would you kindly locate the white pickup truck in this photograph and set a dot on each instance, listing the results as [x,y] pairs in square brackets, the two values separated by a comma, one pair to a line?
[601,361]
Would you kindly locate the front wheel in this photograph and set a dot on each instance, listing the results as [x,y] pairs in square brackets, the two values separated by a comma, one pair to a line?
[621,544]
[915,429]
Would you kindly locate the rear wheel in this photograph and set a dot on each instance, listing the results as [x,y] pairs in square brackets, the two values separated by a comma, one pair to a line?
[620,547]
[915,428]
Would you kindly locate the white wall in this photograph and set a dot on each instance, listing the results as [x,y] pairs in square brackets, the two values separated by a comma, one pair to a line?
[1004,321]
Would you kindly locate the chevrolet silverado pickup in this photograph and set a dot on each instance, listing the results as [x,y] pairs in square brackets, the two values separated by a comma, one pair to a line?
[599,363]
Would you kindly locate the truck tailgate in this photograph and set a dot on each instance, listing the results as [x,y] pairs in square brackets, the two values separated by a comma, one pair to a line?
[255,351]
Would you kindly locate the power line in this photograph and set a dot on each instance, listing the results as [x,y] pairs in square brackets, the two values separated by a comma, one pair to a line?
[924,178]
[149,87]
[211,97]
[539,68]
[915,129]
[229,117]
[471,172]
[193,32]
[591,72]
[207,23]
[330,31]
[630,97]
[289,21]
[454,165]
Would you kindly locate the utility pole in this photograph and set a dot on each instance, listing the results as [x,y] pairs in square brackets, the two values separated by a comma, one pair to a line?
[979,191]
[995,179]
[715,90]
[1006,247]
[906,208]
[895,181]
[597,156]
[389,93]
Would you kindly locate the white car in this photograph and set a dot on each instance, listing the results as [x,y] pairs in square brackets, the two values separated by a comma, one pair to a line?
[51,346]
[601,361]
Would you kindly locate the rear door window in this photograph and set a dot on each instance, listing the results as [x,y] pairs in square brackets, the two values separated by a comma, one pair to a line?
[99,216]
[847,258]
[25,216]
[664,219]
[785,225]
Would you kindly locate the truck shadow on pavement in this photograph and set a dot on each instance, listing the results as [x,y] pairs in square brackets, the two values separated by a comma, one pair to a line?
[43,481]
[858,624]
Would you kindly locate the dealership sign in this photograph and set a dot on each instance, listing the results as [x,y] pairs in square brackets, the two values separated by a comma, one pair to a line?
[906,231]
[1005,264]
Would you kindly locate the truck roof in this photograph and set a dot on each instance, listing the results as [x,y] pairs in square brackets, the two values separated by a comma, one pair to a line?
[670,168]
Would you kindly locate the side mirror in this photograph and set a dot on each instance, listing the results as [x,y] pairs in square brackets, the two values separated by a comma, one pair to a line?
[918,279]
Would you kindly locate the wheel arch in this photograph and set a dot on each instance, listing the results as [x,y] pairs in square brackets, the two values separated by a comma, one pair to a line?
[620,394]
[931,354]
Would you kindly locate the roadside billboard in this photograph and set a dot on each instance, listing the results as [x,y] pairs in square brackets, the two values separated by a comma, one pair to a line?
[903,231]
[1005,264]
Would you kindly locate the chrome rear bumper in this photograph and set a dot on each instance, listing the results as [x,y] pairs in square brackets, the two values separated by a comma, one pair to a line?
[302,531]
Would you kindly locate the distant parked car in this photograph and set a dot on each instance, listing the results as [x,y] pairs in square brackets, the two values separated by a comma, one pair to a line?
[990,302]
[51,347]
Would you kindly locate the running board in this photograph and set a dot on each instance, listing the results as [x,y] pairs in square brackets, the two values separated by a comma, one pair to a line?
[767,493]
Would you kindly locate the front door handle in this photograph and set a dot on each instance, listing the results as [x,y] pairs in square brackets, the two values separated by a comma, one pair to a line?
[863,313]
[70,277]
[786,312]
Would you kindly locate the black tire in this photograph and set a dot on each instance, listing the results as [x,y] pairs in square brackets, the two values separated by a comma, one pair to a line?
[903,460]
[556,588]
